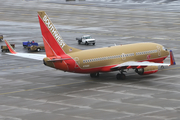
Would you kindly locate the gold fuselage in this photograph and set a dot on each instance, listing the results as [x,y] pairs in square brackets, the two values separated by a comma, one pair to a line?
[114,55]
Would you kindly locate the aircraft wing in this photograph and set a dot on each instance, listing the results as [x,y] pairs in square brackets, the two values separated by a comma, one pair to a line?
[24,55]
[134,64]
[29,55]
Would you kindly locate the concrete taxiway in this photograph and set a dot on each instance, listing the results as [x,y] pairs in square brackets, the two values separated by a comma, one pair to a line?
[31,91]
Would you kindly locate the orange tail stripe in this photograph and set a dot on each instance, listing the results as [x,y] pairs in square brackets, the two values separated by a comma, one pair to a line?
[10,47]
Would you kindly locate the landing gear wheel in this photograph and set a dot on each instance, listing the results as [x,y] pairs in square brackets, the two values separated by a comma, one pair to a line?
[86,43]
[38,49]
[93,43]
[120,76]
[94,75]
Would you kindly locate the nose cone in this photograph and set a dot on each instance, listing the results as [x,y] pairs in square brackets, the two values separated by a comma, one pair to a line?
[166,52]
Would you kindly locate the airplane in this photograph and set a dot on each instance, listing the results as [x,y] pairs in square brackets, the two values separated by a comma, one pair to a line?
[144,57]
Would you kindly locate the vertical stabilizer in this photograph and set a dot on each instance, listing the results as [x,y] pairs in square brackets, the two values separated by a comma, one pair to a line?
[172,60]
[53,42]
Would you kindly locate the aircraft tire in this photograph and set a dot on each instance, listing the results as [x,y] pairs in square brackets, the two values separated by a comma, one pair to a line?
[38,49]
[86,43]
[94,75]
[120,76]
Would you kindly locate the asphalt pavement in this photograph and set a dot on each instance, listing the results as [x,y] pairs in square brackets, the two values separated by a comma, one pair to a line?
[31,91]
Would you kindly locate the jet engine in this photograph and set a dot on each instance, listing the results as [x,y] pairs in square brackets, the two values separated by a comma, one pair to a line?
[147,70]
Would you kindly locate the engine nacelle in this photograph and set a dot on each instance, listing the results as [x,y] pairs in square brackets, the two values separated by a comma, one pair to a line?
[147,70]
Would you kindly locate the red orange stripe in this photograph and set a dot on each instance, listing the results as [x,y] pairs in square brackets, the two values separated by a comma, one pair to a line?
[10,47]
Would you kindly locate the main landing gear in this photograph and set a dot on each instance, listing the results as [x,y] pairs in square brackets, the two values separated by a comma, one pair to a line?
[121,75]
[94,75]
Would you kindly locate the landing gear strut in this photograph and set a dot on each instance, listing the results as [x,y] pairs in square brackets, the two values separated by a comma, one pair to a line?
[94,75]
[121,75]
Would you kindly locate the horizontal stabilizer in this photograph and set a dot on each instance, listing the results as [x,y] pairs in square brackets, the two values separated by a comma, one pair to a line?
[29,55]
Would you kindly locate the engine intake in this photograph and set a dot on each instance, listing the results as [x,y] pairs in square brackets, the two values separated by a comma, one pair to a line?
[139,71]
[147,70]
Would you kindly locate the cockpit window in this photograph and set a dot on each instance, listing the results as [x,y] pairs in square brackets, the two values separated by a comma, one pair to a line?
[88,37]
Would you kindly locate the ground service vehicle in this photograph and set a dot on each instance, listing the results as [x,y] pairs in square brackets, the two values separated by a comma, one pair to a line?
[6,49]
[86,39]
[28,44]
[32,46]
[1,37]
[35,48]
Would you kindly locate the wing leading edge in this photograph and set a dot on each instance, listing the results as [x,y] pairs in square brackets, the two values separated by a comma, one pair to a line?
[134,64]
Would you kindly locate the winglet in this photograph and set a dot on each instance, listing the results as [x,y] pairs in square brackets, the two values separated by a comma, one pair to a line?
[10,47]
[172,60]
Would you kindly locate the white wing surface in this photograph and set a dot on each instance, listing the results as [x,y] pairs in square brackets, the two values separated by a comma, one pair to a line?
[134,64]
[24,55]
[29,55]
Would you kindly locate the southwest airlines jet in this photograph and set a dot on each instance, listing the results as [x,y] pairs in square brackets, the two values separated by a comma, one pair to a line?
[144,58]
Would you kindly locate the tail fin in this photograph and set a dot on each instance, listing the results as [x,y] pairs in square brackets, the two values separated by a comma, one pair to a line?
[172,60]
[53,42]
[10,47]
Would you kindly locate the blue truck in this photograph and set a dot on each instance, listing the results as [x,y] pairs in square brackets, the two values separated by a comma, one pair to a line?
[29,44]
[32,46]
